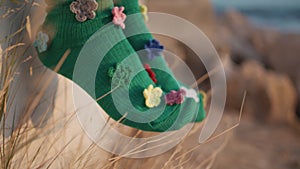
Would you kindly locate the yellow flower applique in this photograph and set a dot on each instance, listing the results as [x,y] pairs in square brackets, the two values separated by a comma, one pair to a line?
[144,11]
[152,96]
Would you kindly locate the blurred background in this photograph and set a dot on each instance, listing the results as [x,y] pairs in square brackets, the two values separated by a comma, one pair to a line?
[258,42]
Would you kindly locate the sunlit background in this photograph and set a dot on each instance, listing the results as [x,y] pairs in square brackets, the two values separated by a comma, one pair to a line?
[276,14]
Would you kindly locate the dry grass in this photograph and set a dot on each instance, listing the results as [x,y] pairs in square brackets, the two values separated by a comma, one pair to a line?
[62,143]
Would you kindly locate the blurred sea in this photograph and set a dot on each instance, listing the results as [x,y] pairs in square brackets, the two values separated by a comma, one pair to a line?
[276,14]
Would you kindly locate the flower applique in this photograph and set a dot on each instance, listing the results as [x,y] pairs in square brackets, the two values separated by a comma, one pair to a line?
[119,16]
[190,93]
[152,96]
[121,73]
[84,9]
[144,11]
[175,97]
[153,48]
[41,41]
[150,72]
[204,98]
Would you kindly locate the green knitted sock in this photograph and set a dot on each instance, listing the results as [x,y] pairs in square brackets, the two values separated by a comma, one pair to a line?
[122,93]
[137,24]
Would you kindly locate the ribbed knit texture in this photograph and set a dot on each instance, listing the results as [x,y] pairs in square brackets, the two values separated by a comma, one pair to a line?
[67,33]
[137,24]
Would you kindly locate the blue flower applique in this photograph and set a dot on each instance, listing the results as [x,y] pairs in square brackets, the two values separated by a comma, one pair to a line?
[154,48]
[41,41]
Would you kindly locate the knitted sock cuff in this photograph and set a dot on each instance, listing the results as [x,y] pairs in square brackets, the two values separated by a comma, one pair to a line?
[131,6]
[62,25]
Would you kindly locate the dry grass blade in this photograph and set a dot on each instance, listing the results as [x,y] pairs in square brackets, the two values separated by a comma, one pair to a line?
[36,4]
[137,133]
[222,133]
[12,47]
[4,88]
[30,71]
[62,60]
[37,99]
[12,35]
[234,126]
[210,160]
[36,153]
[38,133]
[181,163]
[56,156]
[93,145]
[106,94]
[27,59]
[204,77]
[14,144]
[10,11]
[28,27]
[52,160]
[177,150]
[135,151]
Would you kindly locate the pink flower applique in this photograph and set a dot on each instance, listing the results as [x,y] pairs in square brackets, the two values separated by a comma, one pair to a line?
[119,16]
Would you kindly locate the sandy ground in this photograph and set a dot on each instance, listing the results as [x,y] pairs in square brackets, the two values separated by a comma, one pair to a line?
[261,146]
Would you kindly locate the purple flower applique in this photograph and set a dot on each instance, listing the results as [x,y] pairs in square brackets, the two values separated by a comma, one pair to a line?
[84,9]
[153,48]
[175,97]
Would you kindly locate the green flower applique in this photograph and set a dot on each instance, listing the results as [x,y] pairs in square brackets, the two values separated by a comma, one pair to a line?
[121,73]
